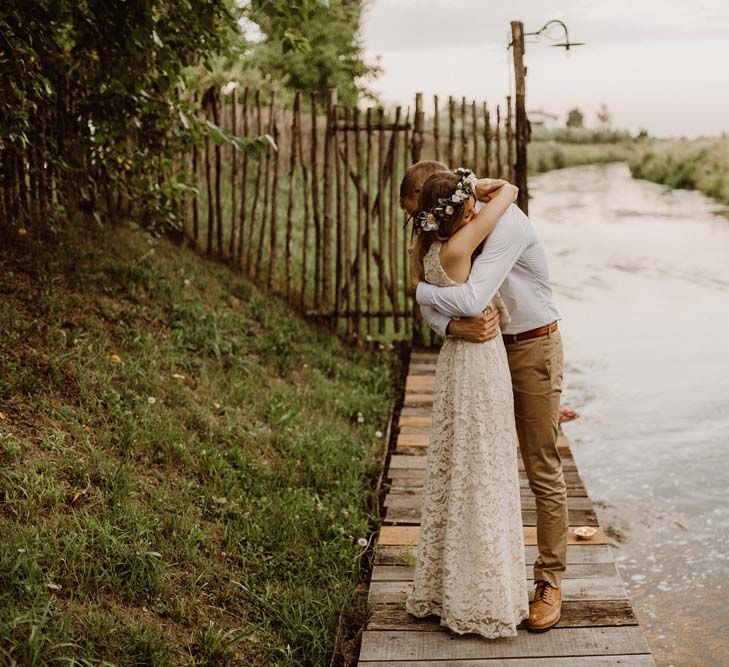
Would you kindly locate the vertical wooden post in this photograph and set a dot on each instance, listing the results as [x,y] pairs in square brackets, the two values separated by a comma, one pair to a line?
[345,213]
[451,132]
[418,127]
[328,182]
[244,182]
[339,225]
[509,141]
[256,188]
[497,133]
[218,176]
[393,215]
[405,236]
[522,124]
[381,274]
[358,243]
[474,127]
[195,183]
[464,137]
[487,141]
[290,205]
[273,254]
[233,180]
[436,129]
[315,201]
[266,188]
[305,179]
[368,219]
[208,181]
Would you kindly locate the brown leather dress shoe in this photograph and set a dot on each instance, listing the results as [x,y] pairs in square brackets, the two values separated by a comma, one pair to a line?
[545,610]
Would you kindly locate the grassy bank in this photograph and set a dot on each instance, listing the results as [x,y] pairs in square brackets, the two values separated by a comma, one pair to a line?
[570,147]
[701,164]
[186,466]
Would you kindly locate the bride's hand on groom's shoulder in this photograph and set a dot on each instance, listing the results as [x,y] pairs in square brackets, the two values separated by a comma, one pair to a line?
[486,188]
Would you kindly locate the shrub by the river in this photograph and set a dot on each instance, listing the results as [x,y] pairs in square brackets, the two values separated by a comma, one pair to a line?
[701,164]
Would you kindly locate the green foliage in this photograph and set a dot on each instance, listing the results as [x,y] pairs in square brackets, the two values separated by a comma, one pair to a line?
[87,99]
[313,46]
[701,164]
[580,135]
[575,118]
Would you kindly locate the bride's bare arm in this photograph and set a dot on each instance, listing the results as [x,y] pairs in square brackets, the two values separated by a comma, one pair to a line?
[468,237]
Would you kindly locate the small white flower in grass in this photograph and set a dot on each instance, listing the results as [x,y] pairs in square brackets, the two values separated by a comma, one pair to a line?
[216,406]
[378,434]
[360,418]
[187,282]
[178,376]
[362,542]
[151,400]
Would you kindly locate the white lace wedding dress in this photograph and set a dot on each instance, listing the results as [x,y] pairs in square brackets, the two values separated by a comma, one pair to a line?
[470,561]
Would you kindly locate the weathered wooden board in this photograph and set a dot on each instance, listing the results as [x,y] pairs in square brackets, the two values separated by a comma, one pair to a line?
[568,642]
[400,514]
[405,535]
[576,553]
[604,588]
[598,627]
[416,411]
[528,502]
[418,400]
[575,614]
[640,660]
[420,384]
[571,477]
[417,450]
[574,571]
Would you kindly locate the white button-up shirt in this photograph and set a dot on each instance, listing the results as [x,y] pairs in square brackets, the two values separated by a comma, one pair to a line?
[513,262]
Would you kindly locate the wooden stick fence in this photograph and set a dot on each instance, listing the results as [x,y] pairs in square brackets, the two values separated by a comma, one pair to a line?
[317,219]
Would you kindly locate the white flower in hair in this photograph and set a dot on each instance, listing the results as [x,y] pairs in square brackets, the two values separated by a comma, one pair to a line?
[430,223]
[449,210]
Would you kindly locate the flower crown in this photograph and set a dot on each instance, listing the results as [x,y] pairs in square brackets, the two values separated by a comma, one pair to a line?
[428,221]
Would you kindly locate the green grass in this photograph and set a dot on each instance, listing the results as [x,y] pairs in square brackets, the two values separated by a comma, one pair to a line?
[701,164]
[265,262]
[184,476]
[548,155]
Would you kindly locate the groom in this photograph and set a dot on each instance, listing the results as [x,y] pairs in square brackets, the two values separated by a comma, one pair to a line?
[513,262]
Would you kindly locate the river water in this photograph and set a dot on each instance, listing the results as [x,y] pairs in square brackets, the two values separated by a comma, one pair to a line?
[641,276]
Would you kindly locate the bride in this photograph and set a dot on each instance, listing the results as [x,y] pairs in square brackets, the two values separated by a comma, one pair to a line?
[470,567]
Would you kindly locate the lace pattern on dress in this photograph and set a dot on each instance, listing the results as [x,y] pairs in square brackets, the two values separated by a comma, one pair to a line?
[470,567]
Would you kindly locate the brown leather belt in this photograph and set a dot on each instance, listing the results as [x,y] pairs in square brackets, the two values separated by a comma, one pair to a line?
[532,333]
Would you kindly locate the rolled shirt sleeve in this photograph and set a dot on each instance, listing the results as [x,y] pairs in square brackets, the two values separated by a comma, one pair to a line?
[502,249]
[438,322]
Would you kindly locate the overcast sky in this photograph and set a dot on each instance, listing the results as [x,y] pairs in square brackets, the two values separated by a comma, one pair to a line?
[658,64]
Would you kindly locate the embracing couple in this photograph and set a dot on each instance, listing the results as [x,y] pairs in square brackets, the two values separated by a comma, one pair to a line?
[477,267]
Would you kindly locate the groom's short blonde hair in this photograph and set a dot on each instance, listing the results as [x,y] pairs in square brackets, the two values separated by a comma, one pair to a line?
[416,174]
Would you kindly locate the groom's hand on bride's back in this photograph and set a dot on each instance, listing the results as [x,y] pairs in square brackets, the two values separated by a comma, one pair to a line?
[477,329]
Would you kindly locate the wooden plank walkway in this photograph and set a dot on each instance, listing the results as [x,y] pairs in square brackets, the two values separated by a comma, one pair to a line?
[598,627]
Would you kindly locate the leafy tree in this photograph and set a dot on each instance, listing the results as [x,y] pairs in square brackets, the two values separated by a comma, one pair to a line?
[575,118]
[88,102]
[312,45]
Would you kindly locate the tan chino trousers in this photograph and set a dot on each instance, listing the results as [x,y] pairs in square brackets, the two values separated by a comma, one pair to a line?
[537,367]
